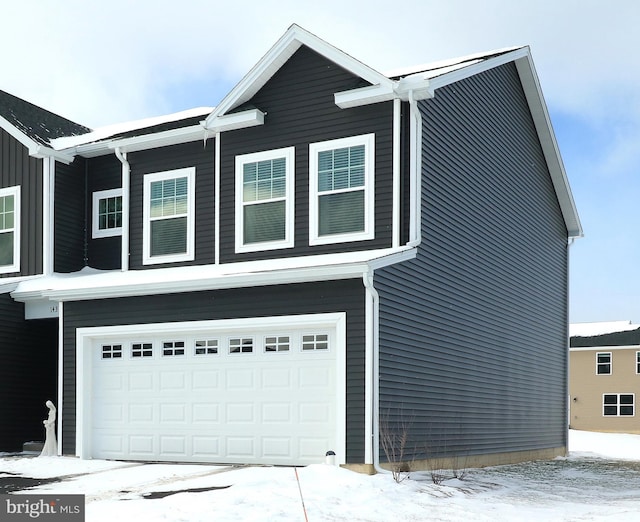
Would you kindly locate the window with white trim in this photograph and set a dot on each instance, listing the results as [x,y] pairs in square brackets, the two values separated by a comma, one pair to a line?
[172,348]
[265,200]
[315,342]
[637,362]
[107,213]
[279,343]
[206,347]
[169,208]
[241,345]
[603,363]
[141,350]
[341,190]
[9,230]
[618,404]
[112,351]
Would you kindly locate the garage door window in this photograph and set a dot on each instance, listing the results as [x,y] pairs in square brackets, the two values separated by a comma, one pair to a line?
[315,342]
[241,345]
[206,347]
[142,350]
[111,351]
[172,348]
[277,344]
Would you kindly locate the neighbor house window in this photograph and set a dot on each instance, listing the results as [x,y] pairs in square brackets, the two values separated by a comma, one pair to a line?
[637,362]
[618,404]
[264,200]
[107,213]
[603,363]
[169,207]
[9,230]
[341,195]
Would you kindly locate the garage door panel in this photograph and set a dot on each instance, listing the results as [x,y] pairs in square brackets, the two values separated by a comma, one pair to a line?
[273,403]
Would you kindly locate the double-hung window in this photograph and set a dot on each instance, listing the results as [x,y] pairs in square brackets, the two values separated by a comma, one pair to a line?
[264,200]
[107,213]
[341,195]
[9,230]
[169,207]
[603,363]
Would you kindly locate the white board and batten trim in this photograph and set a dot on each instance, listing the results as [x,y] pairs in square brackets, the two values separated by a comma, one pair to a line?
[298,396]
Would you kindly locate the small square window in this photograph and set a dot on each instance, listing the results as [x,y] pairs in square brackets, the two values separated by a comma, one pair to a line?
[241,345]
[603,363]
[107,213]
[141,350]
[276,344]
[111,351]
[315,342]
[172,348]
[9,230]
[206,347]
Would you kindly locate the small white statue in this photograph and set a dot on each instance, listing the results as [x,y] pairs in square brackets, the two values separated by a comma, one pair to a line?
[50,448]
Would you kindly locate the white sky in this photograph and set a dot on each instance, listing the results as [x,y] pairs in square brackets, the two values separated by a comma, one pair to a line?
[104,62]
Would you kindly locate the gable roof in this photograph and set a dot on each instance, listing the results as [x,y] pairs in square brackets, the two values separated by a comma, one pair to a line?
[34,126]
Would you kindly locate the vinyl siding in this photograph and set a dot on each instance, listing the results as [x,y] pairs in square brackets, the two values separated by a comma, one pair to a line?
[104,173]
[300,109]
[194,154]
[473,332]
[28,373]
[17,168]
[339,296]
[70,217]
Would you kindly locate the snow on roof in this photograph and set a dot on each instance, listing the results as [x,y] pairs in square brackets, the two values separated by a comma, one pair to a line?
[433,69]
[600,328]
[108,131]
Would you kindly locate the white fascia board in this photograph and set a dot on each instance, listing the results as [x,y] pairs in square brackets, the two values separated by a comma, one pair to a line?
[236,120]
[364,96]
[107,284]
[278,55]
[550,149]
[605,348]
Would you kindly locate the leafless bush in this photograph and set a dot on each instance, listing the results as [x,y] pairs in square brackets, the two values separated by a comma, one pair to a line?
[394,440]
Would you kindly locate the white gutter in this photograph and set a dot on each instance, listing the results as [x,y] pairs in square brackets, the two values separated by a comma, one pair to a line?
[126,175]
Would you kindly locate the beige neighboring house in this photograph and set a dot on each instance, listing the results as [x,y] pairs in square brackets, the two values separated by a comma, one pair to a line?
[604,377]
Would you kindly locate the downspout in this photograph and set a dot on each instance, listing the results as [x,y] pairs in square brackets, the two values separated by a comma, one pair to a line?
[372,372]
[395,239]
[126,175]
[415,183]
[216,196]
[60,373]
[568,354]
[48,184]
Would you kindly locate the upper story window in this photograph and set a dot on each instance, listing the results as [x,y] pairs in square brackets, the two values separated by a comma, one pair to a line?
[9,230]
[603,363]
[341,195]
[637,362]
[169,207]
[264,200]
[107,213]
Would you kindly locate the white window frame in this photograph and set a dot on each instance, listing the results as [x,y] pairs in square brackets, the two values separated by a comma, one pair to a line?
[368,140]
[637,362]
[288,153]
[610,363]
[107,232]
[15,192]
[147,258]
[619,405]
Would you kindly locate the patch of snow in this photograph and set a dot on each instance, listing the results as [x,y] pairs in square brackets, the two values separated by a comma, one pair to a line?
[107,131]
[600,328]
[588,485]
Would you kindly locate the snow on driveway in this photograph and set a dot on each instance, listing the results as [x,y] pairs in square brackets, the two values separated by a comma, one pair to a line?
[600,480]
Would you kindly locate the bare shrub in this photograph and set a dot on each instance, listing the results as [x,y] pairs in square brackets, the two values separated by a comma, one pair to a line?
[394,440]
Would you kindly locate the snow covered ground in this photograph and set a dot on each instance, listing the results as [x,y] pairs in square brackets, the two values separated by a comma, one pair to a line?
[600,480]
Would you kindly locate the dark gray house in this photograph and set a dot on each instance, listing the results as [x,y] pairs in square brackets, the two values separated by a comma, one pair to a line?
[258,282]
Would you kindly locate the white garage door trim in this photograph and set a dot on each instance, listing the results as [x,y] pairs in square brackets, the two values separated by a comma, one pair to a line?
[85,338]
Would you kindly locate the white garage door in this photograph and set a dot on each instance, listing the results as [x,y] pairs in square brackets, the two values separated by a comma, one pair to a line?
[223,392]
